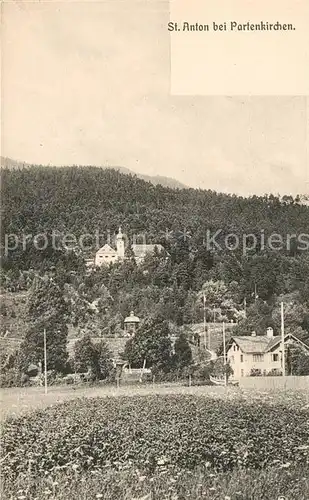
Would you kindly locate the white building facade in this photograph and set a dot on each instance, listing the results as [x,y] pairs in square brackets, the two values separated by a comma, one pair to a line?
[109,255]
[258,354]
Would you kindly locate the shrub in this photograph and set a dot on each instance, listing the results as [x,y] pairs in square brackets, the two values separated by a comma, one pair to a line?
[9,378]
[274,372]
[255,372]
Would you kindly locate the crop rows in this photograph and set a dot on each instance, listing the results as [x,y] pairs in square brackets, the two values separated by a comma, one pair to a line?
[155,432]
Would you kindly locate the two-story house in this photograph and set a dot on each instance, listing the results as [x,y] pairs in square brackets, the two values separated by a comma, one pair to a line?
[258,354]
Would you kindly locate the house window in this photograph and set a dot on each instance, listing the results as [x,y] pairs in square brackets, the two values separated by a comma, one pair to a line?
[241,358]
[258,357]
[241,373]
[275,357]
[232,359]
[238,348]
[234,347]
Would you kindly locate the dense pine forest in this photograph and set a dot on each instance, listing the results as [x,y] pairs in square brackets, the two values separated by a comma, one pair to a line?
[243,285]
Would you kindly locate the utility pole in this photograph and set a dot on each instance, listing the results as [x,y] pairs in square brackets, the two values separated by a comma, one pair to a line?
[204,309]
[45,362]
[255,293]
[142,371]
[224,353]
[282,339]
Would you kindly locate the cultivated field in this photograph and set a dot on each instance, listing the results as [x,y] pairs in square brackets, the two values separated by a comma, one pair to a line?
[155,442]
[16,401]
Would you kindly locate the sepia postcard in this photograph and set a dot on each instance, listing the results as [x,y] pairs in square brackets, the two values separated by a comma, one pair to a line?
[154,294]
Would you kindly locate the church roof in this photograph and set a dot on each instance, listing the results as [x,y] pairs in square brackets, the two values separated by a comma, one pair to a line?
[141,250]
[106,249]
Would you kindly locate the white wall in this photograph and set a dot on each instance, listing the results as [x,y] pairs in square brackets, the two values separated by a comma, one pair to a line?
[104,259]
[242,363]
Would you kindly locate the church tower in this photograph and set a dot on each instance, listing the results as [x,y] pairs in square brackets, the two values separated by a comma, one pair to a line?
[120,244]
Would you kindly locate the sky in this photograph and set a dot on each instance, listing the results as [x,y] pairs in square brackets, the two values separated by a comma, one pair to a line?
[88,83]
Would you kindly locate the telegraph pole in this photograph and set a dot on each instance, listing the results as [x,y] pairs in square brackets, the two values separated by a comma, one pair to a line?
[224,353]
[255,293]
[204,308]
[282,339]
[45,362]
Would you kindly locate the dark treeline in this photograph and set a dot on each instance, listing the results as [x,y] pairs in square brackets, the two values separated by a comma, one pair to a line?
[84,199]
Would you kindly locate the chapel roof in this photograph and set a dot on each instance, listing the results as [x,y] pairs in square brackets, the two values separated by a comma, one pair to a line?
[106,249]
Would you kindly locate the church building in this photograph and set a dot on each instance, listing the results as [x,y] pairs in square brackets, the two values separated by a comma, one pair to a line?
[108,255]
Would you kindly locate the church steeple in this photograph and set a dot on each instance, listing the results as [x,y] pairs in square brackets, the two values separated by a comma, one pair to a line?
[120,244]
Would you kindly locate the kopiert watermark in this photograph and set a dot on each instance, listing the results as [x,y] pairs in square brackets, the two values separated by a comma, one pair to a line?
[216,241]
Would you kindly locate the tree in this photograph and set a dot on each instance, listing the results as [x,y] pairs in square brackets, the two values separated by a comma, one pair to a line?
[104,360]
[94,358]
[220,298]
[86,356]
[46,310]
[258,319]
[302,366]
[220,369]
[151,343]
[130,256]
[296,315]
[183,353]
[297,360]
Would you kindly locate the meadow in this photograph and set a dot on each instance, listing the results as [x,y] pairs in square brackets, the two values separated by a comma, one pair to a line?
[199,443]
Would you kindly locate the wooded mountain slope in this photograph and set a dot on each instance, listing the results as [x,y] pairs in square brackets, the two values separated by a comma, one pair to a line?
[79,199]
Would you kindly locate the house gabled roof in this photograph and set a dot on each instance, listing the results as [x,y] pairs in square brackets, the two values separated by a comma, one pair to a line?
[261,343]
[107,249]
[289,336]
[250,344]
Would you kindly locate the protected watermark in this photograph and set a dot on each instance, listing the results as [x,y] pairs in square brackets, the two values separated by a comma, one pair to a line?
[213,241]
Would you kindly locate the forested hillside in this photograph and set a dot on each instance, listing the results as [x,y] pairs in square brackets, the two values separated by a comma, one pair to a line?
[82,200]
[170,182]
[85,200]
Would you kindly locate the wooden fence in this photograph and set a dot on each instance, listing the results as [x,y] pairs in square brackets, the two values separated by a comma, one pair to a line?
[270,383]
